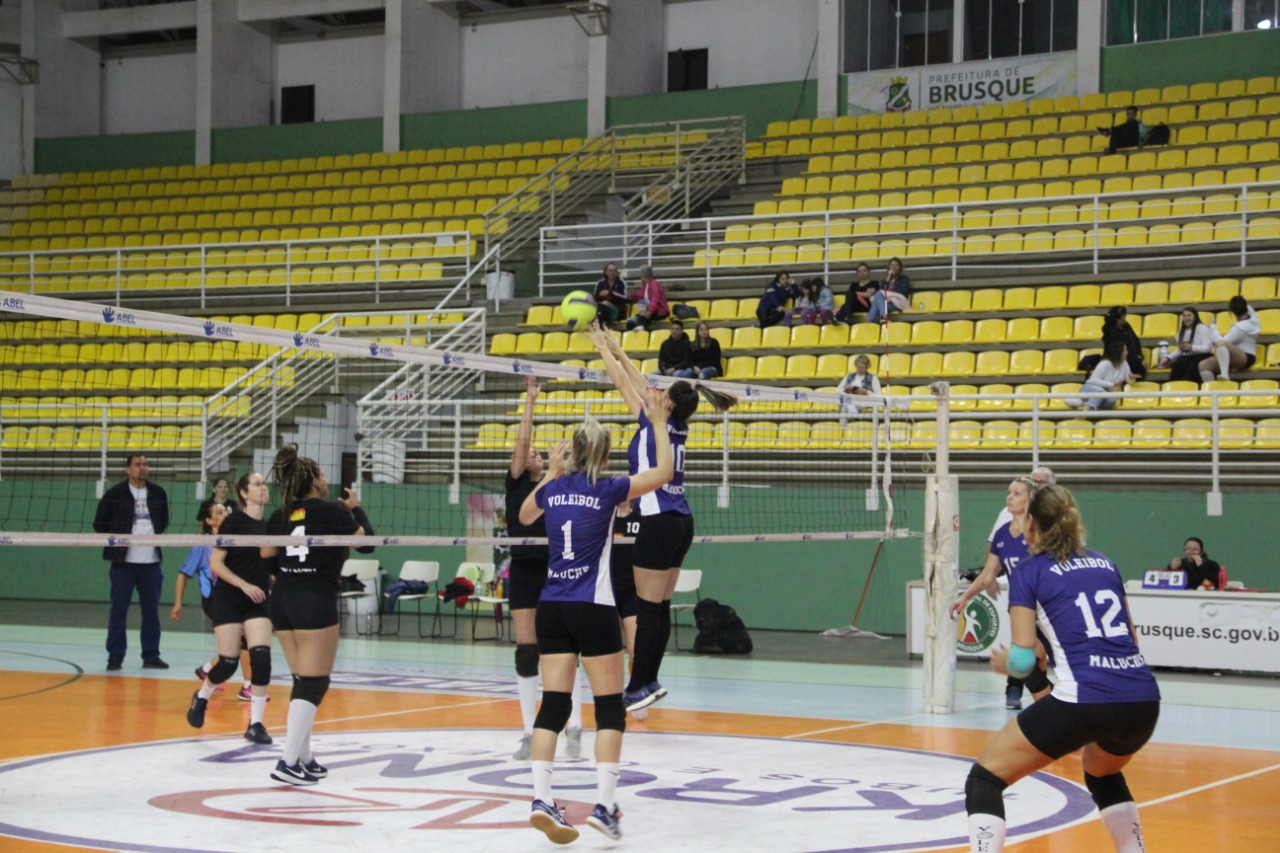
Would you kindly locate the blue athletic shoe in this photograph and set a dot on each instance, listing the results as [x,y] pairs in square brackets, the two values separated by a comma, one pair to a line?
[644,697]
[610,823]
[550,821]
[315,768]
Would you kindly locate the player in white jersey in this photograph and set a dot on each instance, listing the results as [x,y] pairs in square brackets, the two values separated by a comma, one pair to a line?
[1105,700]
[576,618]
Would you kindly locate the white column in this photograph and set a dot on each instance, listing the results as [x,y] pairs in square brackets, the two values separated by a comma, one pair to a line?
[1089,24]
[234,78]
[422,66]
[828,69]
[957,31]
[597,84]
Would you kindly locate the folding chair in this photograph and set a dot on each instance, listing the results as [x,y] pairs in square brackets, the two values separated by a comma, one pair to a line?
[428,573]
[690,580]
[365,571]
[484,595]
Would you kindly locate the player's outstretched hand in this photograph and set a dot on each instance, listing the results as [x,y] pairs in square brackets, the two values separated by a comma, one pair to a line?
[999,655]
[657,405]
[556,466]
[348,500]
[531,388]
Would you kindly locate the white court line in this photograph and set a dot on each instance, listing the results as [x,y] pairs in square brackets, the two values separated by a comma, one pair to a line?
[896,721]
[1217,784]
[415,711]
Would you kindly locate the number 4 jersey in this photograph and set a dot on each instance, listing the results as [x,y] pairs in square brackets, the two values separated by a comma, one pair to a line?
[307,520]
[1081,613]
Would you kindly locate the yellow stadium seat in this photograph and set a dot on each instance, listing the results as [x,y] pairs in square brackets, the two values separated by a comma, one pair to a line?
[925,364]
[804,337]
[992,363]
[1151,293]
[925,333]
[503,344]
[775,337]
[770,367]
[927,301]
[957,364]
[801,368]
[1160,325]
[746,337]
[957,332]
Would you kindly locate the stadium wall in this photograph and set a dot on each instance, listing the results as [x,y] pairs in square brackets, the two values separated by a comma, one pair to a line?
[1226,56]
[807,587]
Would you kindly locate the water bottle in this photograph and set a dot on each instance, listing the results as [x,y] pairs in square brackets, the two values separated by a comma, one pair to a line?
[1164,354]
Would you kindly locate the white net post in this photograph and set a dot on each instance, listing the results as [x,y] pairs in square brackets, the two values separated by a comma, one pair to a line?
[941,568]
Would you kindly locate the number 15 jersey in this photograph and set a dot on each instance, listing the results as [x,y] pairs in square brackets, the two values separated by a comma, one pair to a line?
[1080,611]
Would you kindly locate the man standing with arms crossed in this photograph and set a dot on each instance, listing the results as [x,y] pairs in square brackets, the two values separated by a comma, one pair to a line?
[134,507]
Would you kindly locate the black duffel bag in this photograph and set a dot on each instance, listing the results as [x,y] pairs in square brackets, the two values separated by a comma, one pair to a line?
[720,630]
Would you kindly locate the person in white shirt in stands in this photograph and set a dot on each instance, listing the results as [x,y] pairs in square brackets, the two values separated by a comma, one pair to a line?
[862,381]
[1238,348]
[1111,374]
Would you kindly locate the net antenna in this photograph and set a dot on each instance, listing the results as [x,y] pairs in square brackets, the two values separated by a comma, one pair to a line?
[20,69]
[592,17]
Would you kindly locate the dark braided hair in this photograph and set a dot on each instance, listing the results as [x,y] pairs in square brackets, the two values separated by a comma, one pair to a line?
[294,476]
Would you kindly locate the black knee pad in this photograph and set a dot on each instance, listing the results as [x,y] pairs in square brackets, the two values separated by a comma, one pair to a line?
[1108,790]
[310,688]
[527,660]
[984,792]
[554,711]
[666,614]
[223,669]
[611,713]
[1037,681]
[260,666]
[648,611]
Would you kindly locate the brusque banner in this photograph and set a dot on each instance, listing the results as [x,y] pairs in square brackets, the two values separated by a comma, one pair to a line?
[1045,75]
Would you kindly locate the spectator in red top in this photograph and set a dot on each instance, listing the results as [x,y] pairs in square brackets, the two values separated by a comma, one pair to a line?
[611,296]
[650,300]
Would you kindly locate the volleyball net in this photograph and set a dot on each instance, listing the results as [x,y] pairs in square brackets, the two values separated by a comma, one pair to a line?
[408,411]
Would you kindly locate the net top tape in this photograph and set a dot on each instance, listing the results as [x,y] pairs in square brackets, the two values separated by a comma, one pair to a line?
[46,306]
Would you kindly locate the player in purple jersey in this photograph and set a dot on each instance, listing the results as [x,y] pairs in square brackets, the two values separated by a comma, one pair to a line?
[666,523]
[1105,700]
[1006,549]
[304,599]
[576,617]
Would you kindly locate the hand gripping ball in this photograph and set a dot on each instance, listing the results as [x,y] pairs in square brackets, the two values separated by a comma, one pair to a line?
[578,310]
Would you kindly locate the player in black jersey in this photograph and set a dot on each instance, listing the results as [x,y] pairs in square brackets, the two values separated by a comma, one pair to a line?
[238,608]
[304,600]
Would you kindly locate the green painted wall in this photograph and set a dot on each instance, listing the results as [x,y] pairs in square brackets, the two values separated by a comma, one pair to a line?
[1227,56]
[807,587]
[760,104]
[120,151]
[283,141]
[492,125]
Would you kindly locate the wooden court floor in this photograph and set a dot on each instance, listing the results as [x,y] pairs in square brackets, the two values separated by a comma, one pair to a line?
[744,755]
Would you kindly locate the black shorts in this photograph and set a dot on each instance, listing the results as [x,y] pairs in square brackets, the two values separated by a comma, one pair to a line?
[206,607]
[304,607]
[1059,728]
[525,580]
[1249,359]
[577,628]
[228,605]
[663,541]
[624,580]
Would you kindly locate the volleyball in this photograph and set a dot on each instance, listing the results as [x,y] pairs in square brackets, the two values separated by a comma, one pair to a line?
[578,310]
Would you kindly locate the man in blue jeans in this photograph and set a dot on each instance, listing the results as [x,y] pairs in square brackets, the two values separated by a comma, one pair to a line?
[134,507]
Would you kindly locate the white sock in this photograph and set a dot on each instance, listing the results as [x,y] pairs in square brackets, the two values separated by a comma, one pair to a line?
[301,715]
[1124,827]
[986,833]
[248,685]
[207,666]
[528,690]
[257,707]
[206,689]
[542,781]
[575,716]
[606,783]
[1207,376]
[1224,362]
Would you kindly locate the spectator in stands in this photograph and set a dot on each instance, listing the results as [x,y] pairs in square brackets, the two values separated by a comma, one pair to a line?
[139,507]
[611,296]
[1238,348]
[221,488]
[859,296]
[1202,573]
[676,352]
[862,381]
[772,309]
[1130,133]
[824,302]
[1115,327]
[1193,344]
[706,356]
[894,293]
[650,300]
[809,309]
[1111,374]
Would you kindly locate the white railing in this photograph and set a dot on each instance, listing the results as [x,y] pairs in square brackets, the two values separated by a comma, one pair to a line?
[374,267]
[1239,224]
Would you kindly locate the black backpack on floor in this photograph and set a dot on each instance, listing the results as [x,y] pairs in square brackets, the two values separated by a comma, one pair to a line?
[720,630]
